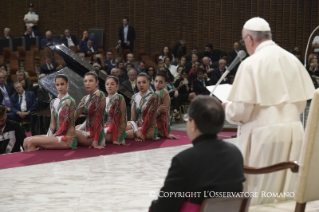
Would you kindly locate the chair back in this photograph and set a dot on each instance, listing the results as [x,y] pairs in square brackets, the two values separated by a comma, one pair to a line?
[307,184]
[227,204]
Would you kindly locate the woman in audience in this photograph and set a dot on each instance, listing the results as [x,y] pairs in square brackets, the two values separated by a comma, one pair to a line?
[97,62]
[162,118]
[90,133]
[166,52]
[182,62]
[143,112]
[179,71]
[150,71]
[61,134]
[183,85]
[4,68]
[115,113]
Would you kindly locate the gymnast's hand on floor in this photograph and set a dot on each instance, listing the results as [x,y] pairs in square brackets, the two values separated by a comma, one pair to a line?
[95,145]
[172,137]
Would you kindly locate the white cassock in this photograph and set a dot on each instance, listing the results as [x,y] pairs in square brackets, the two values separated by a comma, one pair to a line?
[268,95]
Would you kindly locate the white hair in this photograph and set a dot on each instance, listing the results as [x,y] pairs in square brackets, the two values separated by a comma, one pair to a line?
[258,35]
[221,60]
[48,32]
[6,29]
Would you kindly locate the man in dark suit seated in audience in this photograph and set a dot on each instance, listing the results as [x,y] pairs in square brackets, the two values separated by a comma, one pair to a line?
[30,33]
[49,67]
[130,84]
[23,104]
[109,61]
[89,49]
[13,134]
[7,34]
[224,56]
[68,39]
[21,76]
[207,65]
[6,92]
[211,165]
[42,95]
[85,39]
[218,72]
[118,73]
[213,54]
[191,64]
[48,40]
[200,83]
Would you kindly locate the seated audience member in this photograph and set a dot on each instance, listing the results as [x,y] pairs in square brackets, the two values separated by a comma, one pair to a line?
[89,49]
[130,59]
[179,49]
[128,66]
[141,67]
[150,71]
[190,65]
[224,56]
[120,65]
[49,67]
[13,134]
[109,61]
[183,85]
[7,34]
[166,52]
[30,33]
[218,72]
[6,92]
[130,84]
[160,62]
[97,62]
[42,95]
[118,73]
[162,67]
[200,83]
[179,71]
[23,104]
[48,40]
[7,75]
[182,62]
[85,39]
[194,51]
[192,73]
[171,68]
[207,65]
[195,169]
[21,75]
[68,39]
[24,85]
[213,54]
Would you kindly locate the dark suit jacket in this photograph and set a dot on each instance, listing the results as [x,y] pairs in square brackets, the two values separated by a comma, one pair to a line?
[30,99]
[19,135]
[44,68]
[10,90]
[210,165]
[36,34]
[45,41]
[85,49]
[4,37]
[198,87]
[130,35]
[127,84]
[109,65]
[230,58]
[178,52]
[65,41]
[216,75]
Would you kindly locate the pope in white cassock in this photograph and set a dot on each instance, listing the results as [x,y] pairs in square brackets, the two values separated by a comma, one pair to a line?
[269,93]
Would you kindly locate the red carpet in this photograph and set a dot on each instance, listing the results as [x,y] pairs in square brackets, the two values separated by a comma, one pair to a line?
[47,156]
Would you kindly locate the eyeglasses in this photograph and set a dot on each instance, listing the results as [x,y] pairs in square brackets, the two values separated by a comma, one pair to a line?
[187,118]
[242,41]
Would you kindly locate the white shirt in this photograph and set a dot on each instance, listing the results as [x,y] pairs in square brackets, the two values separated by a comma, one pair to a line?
[91,48]
[70,42]
[23,102]
[125,33]
[32,34]
[31,17]
[316,41]
[50,66]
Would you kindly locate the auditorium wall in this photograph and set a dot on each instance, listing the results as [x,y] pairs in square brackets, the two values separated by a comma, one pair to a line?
[164,22]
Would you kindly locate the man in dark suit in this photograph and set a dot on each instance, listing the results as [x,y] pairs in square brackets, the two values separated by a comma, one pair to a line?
[6,91]
[126,35]
[213,54]
[13,134]
[109,61]
[179,49]
[224,56]
[68,39]
[7,34]
[218,72]
[130,84]
[200,83]
[48,40]
[23,104]
[30,33]
[89,49]
[21,76]
[211,165]
[49,67]
[232,55]
[85,39]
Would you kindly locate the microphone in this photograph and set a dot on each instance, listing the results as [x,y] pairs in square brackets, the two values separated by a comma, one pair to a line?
[241,55]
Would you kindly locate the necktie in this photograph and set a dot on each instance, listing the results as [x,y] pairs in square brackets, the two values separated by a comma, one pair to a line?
[49,67]
[133,84]
[6,97]
[20,101]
